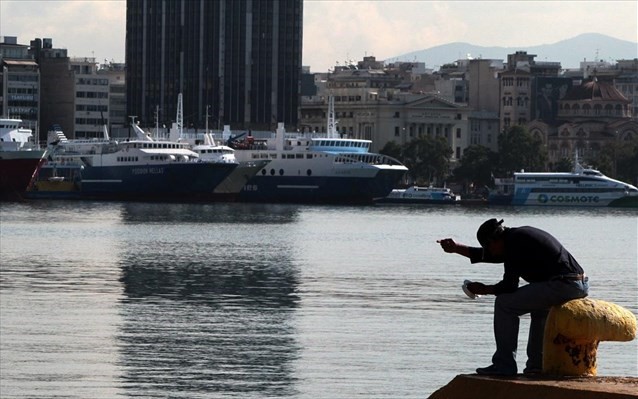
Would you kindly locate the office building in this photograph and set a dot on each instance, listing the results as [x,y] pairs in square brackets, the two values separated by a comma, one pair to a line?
[19,82]
[238,61]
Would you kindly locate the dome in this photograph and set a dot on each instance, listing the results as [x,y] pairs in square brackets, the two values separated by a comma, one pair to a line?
[594,90]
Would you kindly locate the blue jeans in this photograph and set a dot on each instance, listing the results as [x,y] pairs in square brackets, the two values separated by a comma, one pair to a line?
[535,299]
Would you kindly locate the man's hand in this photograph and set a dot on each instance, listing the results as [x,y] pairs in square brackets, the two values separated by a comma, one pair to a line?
[480,289]
[448,245]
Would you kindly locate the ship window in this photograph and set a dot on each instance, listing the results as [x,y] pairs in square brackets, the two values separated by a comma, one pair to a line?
[272,172]
[309,172]
[281,172]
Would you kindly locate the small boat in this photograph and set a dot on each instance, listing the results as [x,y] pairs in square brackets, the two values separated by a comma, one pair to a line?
[583,187]
[60,177]
[20,158]
[421,195]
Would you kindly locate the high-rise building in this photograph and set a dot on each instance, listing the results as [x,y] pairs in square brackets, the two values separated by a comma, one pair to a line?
[238,61]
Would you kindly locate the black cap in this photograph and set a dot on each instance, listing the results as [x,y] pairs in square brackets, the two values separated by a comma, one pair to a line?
[489,230]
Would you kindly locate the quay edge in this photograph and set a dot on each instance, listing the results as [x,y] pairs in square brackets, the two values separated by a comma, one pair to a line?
[473,386]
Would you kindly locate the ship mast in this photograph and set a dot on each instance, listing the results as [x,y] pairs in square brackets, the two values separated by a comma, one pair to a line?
[179,118]
[331,129]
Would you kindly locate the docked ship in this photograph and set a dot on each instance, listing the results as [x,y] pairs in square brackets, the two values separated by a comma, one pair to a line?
[20,158]
[583,187]
[208,150]
[309,168]
[136,169]
[421,195]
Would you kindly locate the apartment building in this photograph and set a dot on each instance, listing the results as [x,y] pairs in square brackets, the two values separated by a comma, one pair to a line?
[484,102]
[19,83]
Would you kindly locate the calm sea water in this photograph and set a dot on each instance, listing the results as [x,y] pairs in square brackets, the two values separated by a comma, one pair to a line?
[119,300]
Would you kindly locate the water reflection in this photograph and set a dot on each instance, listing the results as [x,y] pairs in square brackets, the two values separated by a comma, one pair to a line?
[139,212]
[202,321]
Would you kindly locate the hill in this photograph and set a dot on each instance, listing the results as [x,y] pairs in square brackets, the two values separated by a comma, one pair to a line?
[569,52]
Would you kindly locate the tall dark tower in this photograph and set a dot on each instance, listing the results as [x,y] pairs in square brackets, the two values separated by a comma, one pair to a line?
[241,58]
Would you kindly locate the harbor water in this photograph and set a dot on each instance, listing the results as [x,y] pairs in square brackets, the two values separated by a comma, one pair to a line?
[120,300]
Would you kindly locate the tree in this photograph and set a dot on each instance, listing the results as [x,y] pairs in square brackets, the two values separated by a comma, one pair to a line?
[477,166]
[518,149]
[427,158]
[564,165]
[392,149]
[619,159]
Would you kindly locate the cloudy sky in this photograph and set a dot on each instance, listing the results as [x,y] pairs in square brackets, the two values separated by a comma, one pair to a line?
[340,30]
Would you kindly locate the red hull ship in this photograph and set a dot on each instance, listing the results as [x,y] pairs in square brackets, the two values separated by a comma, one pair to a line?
[20,159]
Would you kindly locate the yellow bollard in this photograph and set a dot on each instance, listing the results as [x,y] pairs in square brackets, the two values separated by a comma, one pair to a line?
[573,331]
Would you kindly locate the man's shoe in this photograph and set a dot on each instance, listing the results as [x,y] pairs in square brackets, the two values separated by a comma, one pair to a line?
[493,370]
[532,372]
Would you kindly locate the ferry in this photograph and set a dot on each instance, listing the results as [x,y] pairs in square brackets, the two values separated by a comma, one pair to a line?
[138,169]
[20,158]
[208,150]
[583,187]
[422,195]
[316,168]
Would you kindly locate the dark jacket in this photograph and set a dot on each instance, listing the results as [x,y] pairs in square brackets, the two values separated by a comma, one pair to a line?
[531,254]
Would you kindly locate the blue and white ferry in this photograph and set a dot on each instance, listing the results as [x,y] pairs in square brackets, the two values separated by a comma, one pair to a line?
[138,168]
[309,169]
[421,195]
[316,168]
[583,187]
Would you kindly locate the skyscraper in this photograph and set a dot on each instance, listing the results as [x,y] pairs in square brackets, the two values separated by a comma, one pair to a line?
[237,60]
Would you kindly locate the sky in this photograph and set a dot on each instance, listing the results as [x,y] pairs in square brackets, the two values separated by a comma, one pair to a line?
[339,31]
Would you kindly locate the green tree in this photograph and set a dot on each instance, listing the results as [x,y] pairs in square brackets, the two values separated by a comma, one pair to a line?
[564,165]
[476,166]
[619,160]
[518,149]
[392,149]
[427,158]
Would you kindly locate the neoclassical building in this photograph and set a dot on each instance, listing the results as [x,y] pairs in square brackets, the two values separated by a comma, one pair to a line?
[590,115]
[370,103]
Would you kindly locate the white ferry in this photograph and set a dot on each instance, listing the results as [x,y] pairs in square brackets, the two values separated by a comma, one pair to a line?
[581,187]
[316,168]
[421,195]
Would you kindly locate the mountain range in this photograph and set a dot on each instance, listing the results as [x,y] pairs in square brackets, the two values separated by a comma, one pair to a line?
[570,52]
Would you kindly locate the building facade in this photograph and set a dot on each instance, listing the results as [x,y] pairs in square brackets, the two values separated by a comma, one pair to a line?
[518,88]
[372,104]
[239,58]
[484,102]
[590,116]
[19,83]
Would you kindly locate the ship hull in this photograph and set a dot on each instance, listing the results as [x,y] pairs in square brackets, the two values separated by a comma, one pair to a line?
[179,181]
[230,187]
[17,169]
[321,189]
[565,199]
